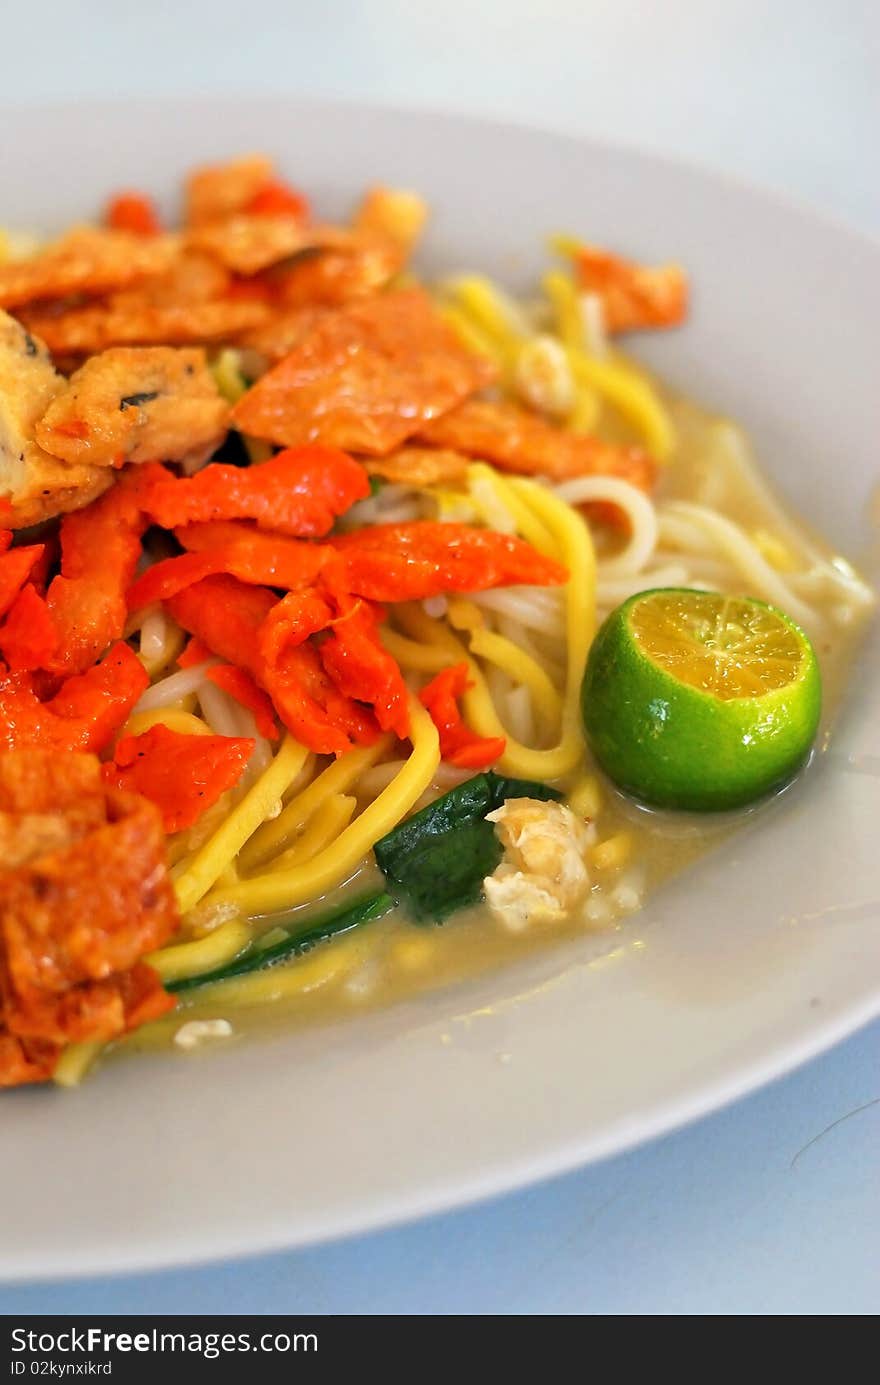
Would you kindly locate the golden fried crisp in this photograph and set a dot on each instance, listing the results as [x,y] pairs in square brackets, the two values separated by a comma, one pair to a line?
[88,260]
[515,440]
[365,379]
[633,296]
[276,338]
[85,894]
[33,484]
[137,404]
[420,466]
[131,319]
[217,191]
[394,214]
[192,277]
[247,244]
[330,274]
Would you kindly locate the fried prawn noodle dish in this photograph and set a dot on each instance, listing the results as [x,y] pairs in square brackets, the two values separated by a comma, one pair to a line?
[336,605]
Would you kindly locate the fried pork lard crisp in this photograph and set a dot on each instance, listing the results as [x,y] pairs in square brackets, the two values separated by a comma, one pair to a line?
[34,484]
[84,895]
[137,404]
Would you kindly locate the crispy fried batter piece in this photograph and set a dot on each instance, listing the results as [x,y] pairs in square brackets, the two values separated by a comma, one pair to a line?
[420,466]
[133,319]
[515,440]
[137,404]
[330,275]
[395,214]
[246,244]
[217,191]
[365,379]
[276,338]
[34,484]
[87,260]
[84,895]
[633,296]
[192,277]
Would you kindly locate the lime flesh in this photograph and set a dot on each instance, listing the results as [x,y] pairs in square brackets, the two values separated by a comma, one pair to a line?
[695,700]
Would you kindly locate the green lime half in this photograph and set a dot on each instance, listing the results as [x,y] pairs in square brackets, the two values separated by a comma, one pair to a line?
[700,701]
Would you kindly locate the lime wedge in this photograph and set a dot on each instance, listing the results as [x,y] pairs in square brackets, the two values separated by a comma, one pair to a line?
[700,701]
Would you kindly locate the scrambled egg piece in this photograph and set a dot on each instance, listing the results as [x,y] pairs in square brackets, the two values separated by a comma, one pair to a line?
[543,874]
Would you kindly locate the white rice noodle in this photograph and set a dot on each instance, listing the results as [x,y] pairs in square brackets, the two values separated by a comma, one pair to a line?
[739,549]
[371,783]
[490,505]
[593,322]
[530,607]
[518,716]
[683,535]
[499,685]
[513,631]
[640,513]
[392,504]
[262,753]
[223,715]
[226,717]
[840,577]
[612,591]
[155,632]
[171,689]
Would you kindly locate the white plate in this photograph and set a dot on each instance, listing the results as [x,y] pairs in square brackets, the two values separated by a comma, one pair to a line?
[765,954]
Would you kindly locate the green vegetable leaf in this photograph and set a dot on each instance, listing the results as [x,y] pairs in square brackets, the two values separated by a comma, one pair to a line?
[437,860]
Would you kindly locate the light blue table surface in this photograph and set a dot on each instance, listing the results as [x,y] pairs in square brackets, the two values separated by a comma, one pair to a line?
[770,1206]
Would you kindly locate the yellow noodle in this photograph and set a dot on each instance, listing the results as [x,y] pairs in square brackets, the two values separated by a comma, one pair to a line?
[481,301]
[520,667]
[413,654]
[258,804]
[214,950]
[276,835]
[527,523]
[613,852]
[632,395]
[305,776]
[563,243]
[228,376]
[257,449]
[307,973]
[563,296]
[327,823]
[585,414]
[184,723]
[286,888]
[480,708]
[572,542]
[75,1062]
[585,797]
[470,333]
